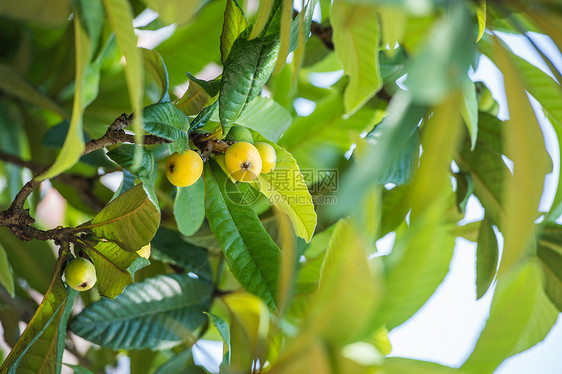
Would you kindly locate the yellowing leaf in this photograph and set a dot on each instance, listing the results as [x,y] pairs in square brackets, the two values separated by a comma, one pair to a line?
[356,40]
[286,189]
[524,143]
[481,15]
[261,19]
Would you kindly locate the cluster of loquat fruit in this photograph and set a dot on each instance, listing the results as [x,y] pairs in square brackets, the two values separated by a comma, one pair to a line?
[244,160]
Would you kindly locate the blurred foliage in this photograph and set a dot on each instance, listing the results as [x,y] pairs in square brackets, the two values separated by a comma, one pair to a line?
[284,271]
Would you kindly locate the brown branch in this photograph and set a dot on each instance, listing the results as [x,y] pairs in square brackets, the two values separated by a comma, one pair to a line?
[324,33]
[18,219]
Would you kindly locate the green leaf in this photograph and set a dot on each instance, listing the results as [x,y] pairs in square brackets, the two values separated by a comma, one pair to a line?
[398,365]
[262,17]
[157,313]
[130,220]
[120,16]
[174,11]
[520,316]
[251,254]
[6,278]
[224,331]
[486,258]
[167,121]
[469,109]
[525,146]
[246,70]
[285,33]
[345,268]
[56,14]
[395,208]
[481,15]
[286,189]
[549,253]
[189,207]
[177,364]
[33,260]
[441,64]
[74,143]
[115,267]
[124,155]
[36,350]
[234,23]
[485,166]
[265,116]
[203,117]
[356,38]
[14,84]
[169,246]
[154,63]
[199,95]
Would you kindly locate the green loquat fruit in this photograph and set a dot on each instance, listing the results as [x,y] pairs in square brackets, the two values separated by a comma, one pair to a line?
[80,274]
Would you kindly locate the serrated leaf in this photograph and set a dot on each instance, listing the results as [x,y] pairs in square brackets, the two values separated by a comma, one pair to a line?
[251,254]
[131,220]
[167,121]
[286,189]
[525,146]
[246,70]
[189,207]
[120,16]
[234,23]
[154,63]
[146,170]
[37,348]
[169,246]
[6,278]
[486,258]
[356,38]
[157,313]
[115,267]
[520,316]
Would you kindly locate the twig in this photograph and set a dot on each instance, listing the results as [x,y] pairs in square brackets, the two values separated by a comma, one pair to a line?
[324,33]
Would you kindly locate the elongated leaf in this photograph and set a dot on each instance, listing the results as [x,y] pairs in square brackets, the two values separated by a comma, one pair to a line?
[486,258]
[262,17]
[36,350]
[469,109]
[356,41]
[170,247]
[525,145]
[14,84]
[224,331]
[397,365]
[252,256]
[6,278]
[285,188]
[115,267]
[56,14]
[177,364]
[521,315]
[189,208]
[203,117]
[174,11]
[120,17]
[234,23]
[285,33]
[549,253]
[167,121]
[481,15]
[157,313]
[246,70]
[154,63]
[74,143]
[130,220]
[124,155]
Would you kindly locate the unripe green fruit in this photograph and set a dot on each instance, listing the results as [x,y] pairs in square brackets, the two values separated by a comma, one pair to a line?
[80,274]
[239,134]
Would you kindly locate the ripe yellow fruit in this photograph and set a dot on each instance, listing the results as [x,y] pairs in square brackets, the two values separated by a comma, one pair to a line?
[243,161]
[145,251]
[268,157]
[80,274]
[184,169]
